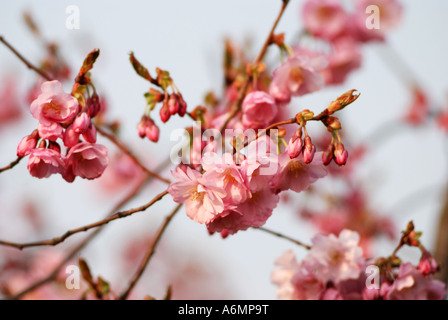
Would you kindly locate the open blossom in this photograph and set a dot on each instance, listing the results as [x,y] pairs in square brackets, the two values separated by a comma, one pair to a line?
[202,198]
[335,258]
[42,163]
[228,176]
[295,174]
[52,131]
[390,14]
[251,213]
[412,284]
[54,105]
[259,109]
[261,163]
[344,57]
[324,18]
[298,76]
[282,276]
[87,160]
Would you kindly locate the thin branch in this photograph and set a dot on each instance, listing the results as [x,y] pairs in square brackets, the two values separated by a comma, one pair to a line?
[25,61]
[242,93]
[149,253]
[55,241]
[89,238]
[124,149]
[11,165]
[277,234]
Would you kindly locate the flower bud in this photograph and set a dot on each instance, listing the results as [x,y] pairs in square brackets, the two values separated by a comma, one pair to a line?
[27,144]
[165,112]
[70,137]
[93,105]
[173,104]
[340,154]
[342,101]
[81,123]
[90,134]
[294,147]
[309,150]
[182,105]
[427,264]
[327,155]
[54,146]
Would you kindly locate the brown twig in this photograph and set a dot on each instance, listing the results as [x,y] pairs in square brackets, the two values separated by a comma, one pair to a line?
[242,93]
[284,237]
[11,165]
[149,254]
[25,61]
[55,241]
[124,149]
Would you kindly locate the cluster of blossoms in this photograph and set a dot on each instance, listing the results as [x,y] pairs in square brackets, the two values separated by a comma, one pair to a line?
[61,116]
[336,269]
[345,32]
[232,193]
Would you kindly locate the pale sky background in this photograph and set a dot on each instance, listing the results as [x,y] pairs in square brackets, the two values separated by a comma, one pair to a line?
[186,38]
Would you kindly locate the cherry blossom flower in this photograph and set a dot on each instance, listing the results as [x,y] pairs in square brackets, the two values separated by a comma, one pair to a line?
[42,163]
[259,109]
[202,198]
[54,105]
[298,76]
[251,213]
[324,18]
[295,174]
[87,160]
[27,144]
[335,258]
[282,276]
[411,284]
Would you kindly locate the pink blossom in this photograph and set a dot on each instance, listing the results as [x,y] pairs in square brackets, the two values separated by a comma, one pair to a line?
[442,121]
[202,198]
[259,109]
[54,105]
[295,174]
[307,286]
[70,137]
[294,147]
[418,111]
[42,163]
[87,160]
[335,258]
[283,275]
[324,18]
[411,284]
[52,131]
[261,163]
[228,176]
[344,58]
[27,144]
[427,264]
[390,14]
[251,213]
[298,76]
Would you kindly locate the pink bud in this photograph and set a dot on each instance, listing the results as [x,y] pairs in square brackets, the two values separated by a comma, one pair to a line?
[182,105]
[93,105]
[309,150]
[90,134]
[70,138]
[141,127]
[81,123]
[427,264]
[165,112]
[173,104]
[294,147]
[327,156]
[54,146]
[152,131]
[340,154]
[27,144]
